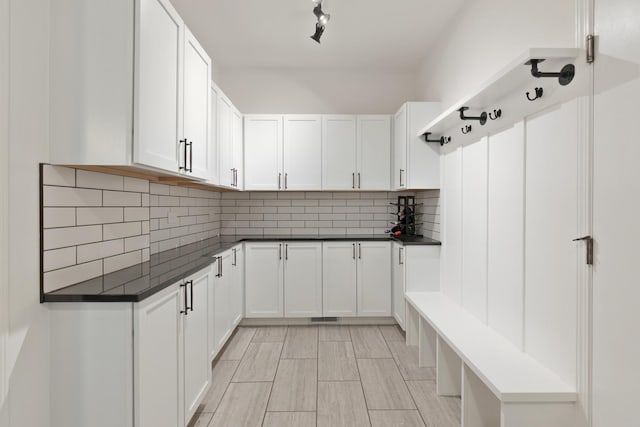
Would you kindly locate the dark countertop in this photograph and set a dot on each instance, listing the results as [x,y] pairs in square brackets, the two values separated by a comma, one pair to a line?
[135,283]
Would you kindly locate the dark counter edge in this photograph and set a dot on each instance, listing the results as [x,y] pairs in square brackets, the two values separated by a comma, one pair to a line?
[227,244]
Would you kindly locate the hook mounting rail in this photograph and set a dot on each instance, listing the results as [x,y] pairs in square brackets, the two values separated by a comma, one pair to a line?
[565,76]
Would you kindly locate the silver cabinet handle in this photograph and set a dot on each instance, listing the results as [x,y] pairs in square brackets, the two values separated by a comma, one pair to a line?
[401,184]
[232,177]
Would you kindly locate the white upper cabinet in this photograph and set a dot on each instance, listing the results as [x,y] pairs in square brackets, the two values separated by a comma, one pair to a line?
[225,141]
[339,153]
[263,152]
[237,149]
[134,92]
[416,163]
[158,85]
[302,152]
[374,152]
[197,78]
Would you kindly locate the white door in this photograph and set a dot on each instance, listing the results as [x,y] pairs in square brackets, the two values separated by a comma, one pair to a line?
[302,152]
[197,89]
[339,296]
[339,152]
[158,85]
[158,361]
[399,172]
[237,285]
[616,187]
[398,269]
[238,148]
[303,279]
[197,368]
[222,309]
[374,279]
[264,280]
[263,152]
[214,166]
[225,143]
[374,152]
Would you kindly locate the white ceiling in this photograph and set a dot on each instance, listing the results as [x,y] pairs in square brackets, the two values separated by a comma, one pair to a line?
[275,33]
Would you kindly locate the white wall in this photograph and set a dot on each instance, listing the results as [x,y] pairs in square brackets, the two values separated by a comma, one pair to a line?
[4,182]
[262,90]
[485,36]
[28,346]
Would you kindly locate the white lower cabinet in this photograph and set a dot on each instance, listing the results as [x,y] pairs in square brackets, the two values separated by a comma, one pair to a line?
[264,291]
[228,299]
[397,268]
[339,296]
[303,279]
[283,279]
[374,279]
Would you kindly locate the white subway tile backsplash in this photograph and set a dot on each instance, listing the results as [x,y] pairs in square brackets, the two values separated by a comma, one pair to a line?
[136,214]
[146,201]
[88,179]
[90,216]
[121,198]
[119,262]
[71,236]
[69,196]
[58,175]
[159,189]
[124,229]
[63,277]
[59,258]
[135,243]
[178,191]
[100,250]
[136,185]
[59,217]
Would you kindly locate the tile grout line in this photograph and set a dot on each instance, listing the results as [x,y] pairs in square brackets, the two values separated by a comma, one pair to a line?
[264,415]
[366,404]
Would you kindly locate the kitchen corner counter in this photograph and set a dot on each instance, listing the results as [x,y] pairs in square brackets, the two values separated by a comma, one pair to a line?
[135,283]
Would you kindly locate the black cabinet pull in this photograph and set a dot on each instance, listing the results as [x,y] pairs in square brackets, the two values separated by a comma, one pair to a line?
[400,260]
[191,289]
[353,180]
[286,251]
[279,180]
[235,259]
[359,251]
[286,185]
[354,250]
[190,144]
[184,295]
[232,177]
[359,180]
[184,141]
[280,251]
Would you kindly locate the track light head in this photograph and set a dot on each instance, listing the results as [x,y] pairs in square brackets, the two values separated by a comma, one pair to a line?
[319,31]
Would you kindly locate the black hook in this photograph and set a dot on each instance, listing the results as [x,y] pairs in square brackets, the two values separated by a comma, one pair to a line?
[565,76]
[539,92]
[496,114]
[482,118]
[442,140]
[466,129]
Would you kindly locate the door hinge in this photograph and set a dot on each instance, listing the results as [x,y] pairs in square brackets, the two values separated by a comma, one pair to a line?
[589,241]
[591,48]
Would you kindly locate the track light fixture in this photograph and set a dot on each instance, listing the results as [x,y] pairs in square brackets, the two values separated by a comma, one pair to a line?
[323,18]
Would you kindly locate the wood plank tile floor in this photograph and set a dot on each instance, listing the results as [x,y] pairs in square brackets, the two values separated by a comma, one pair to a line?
[323,376]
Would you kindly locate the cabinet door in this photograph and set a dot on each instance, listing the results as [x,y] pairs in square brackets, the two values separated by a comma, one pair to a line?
[339,279]
[222,310]
[374,279]
[303,279]
[400,149]
[398,283]
[158,362]
[197,369]
[263,152]
[237,149]
[197,89]
[303,152]
[225,148]
[339,153]
[374,153]
[263,280]
[214,166]
[237,285]
[158,85]
[423,160]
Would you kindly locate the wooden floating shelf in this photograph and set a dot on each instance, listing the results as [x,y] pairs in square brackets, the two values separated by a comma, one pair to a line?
[516,79]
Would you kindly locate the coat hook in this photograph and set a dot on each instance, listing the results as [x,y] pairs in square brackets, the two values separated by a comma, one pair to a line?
[466,129]
[442,140]
[482,118]
[539,92]
[565,76]
[496,114]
